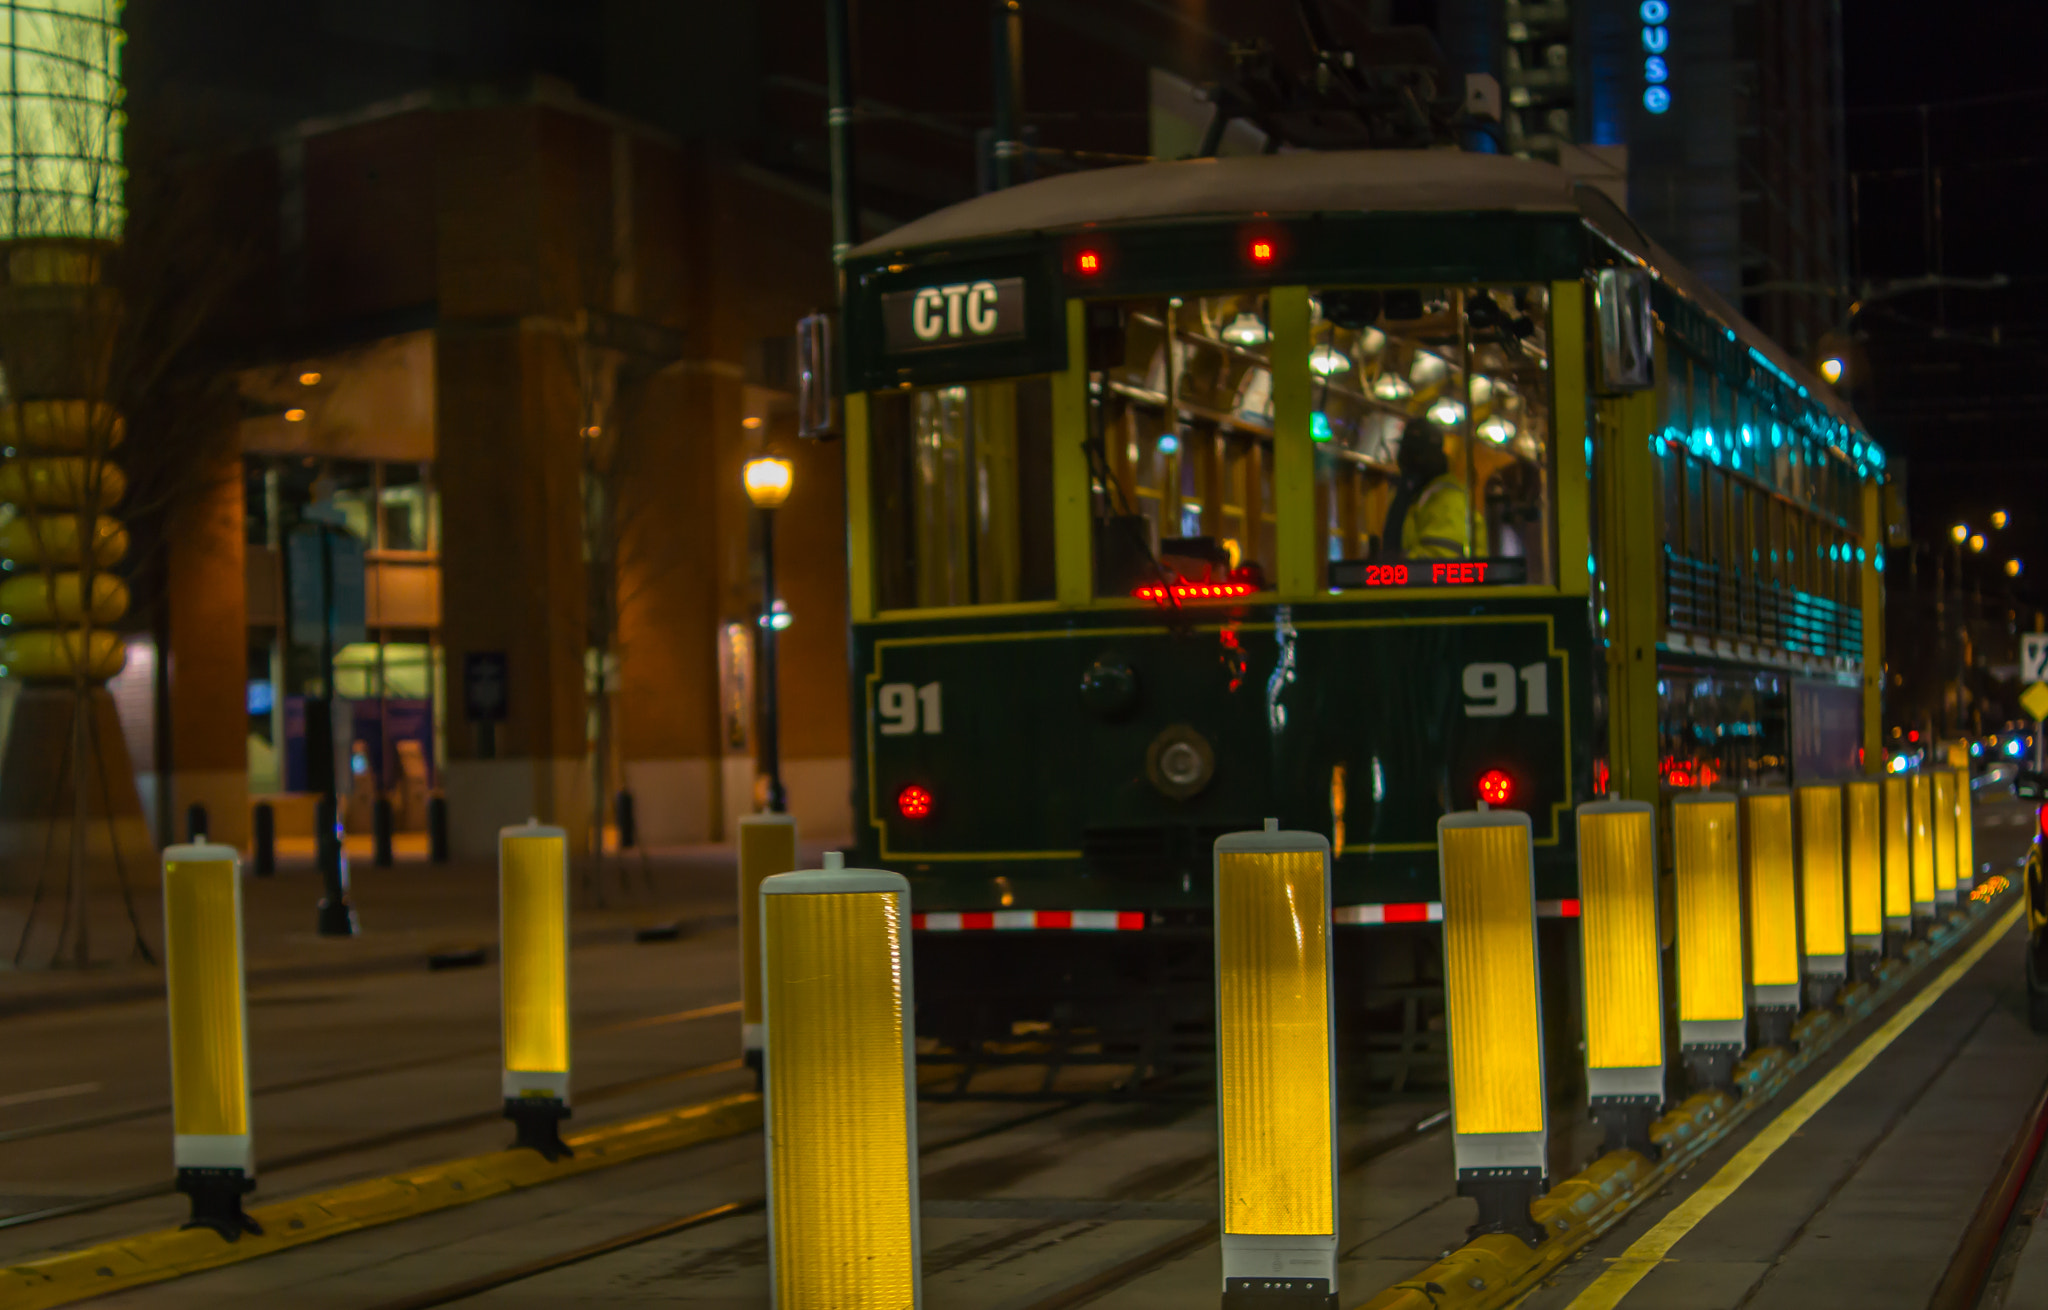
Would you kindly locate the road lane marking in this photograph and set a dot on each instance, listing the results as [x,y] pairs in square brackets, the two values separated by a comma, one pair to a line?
[49,1094]
[1633,1265]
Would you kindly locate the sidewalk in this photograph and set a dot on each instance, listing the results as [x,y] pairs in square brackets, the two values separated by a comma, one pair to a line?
[405,914]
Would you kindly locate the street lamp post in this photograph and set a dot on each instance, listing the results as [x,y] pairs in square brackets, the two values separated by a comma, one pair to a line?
[768,479]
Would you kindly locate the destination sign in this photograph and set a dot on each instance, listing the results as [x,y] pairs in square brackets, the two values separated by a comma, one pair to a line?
[1365,575]
[954,314]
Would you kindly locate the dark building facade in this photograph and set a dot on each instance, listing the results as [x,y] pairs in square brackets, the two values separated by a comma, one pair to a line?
[1723,117]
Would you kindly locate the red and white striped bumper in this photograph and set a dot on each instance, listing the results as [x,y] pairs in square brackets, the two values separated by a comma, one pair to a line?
[1134,920]
[1026,920]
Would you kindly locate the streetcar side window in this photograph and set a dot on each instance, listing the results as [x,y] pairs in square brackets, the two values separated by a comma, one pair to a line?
[963,494]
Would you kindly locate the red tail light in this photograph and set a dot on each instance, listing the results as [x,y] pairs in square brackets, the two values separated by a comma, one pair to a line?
[914,802]
[1495,787]
[2041,821]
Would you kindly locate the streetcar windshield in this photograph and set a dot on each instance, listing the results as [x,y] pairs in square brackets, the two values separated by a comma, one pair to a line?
[1457,377]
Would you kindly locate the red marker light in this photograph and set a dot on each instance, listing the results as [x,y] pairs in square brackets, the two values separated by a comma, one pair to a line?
[2041,821]
[1261,250]
[914,802]
[1914,735]
[1088,263]
[1495,787]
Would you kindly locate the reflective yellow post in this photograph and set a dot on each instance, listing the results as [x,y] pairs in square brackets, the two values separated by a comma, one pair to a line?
[533,967]
[1898,854]
[1863,847]
[1713,1015]
[767,847]
[840,1116]
[1773,915]
[211,1144]
[1624,977]
[1499,1133]
[1824,909]
[1945,870]
[1923,850]
[1275,1067]
[1966,840]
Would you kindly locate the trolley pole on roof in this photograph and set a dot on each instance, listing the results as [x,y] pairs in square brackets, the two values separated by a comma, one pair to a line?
[839,128]
[1007,50]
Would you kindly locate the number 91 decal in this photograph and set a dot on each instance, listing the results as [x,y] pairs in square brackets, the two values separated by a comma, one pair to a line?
[1494,691]
[904,708]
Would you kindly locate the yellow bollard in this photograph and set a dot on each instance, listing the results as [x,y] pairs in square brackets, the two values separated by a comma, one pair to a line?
[1824,910]
[1863,848]
[1923,851]
[1945,853]
[1773,915]
[211,1144]
[1499,1130]
[1713,1014]
[533,966]
[1276,1062]
[767,847]
[1898,854]
[1623,974]
[1966,840]
[840,1116]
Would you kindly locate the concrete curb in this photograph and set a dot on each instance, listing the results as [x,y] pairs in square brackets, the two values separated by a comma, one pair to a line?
[71,1276]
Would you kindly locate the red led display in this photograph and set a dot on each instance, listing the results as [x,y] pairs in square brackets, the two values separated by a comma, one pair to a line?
[914,802]
[1194,591]
[1261,250]
[1495,787]
[1088,263]
[1353,574]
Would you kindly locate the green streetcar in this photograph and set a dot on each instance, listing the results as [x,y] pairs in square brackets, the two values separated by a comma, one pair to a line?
[1134,463]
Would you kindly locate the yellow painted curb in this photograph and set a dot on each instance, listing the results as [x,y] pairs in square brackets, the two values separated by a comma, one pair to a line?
[72,1276]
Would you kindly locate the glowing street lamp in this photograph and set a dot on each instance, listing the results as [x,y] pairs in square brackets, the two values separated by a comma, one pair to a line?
[1831,369]
[768,479]
[1976,543]
[1961,533]
[1998,519]
[2012,568]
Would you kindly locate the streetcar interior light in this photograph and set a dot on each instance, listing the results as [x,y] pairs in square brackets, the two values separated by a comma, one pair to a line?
[1327,361]
[1495,787]
[1245,330]
[1446,412]
[914,802]
[1391,386]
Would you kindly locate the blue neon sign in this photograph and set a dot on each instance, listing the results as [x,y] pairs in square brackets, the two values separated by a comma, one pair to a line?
[1656,40]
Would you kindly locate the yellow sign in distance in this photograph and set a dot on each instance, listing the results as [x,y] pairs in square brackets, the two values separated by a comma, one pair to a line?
[2034,700]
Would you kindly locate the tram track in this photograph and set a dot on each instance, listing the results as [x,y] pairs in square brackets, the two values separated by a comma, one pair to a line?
[376,1141]
[1085,1292]
[727,1210]
[308,1082]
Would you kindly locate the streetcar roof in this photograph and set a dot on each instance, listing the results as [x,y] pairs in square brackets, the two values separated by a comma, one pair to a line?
[1320,182]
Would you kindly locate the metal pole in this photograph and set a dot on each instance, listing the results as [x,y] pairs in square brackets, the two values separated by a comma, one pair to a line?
[1006,32]
[771,749]
[839,126]
[335,917]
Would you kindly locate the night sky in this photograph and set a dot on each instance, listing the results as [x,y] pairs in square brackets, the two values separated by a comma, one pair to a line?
[1954,381]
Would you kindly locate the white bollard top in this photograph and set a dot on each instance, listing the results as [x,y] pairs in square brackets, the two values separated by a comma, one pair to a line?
[835,859]
[1272,825]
